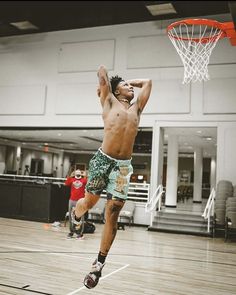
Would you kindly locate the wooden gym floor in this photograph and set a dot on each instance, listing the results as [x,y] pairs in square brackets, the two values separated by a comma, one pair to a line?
[36,258]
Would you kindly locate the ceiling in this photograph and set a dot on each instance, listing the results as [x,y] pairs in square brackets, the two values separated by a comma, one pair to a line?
[48,16]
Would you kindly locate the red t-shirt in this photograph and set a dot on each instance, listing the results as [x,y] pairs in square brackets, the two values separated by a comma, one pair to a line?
[77,187]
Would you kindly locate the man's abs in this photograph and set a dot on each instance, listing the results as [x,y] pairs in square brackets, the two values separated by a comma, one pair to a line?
[118,145]
[120,130]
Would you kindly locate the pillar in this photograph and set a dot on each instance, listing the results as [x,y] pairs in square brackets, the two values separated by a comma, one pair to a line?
[17,159]
[157,158]
[172,171]
[198,167]
[60,164]
[213,173]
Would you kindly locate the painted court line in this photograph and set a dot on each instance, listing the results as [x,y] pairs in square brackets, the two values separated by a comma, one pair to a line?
[25,248]
[69,255]
[102,278]
[81,257]
[43,251]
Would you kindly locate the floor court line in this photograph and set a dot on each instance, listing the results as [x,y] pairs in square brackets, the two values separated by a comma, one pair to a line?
[43,251]
[102,278]
[26,249]
[82,257]
[58,254]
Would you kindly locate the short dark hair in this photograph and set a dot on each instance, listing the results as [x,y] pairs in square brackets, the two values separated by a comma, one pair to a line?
[115,80]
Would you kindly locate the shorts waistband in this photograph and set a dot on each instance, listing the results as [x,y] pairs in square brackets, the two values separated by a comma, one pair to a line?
[113,159]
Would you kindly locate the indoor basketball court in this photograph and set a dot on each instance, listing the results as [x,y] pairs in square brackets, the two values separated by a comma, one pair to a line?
[36,258]
[49,83]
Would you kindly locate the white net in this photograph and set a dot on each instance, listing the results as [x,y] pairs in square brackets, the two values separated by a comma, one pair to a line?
[194,44]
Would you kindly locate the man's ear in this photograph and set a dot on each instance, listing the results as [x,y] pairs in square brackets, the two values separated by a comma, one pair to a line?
[117,92]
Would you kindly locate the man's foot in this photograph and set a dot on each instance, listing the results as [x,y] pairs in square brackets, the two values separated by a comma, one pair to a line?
[91,280]
[80,237]
[70,235]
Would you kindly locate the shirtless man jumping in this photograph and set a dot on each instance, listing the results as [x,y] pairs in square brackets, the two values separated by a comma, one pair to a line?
[110,168]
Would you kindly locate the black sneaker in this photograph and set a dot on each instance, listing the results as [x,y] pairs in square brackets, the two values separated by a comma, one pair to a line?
[91,280]
[74,219]
[78,223]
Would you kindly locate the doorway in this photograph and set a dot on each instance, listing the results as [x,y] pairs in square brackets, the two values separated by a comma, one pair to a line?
[36,167]
[189,139]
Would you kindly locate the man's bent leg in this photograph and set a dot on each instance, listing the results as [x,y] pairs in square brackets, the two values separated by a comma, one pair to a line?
[113,208]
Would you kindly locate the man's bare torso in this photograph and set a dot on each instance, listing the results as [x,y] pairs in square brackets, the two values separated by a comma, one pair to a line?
[120,128]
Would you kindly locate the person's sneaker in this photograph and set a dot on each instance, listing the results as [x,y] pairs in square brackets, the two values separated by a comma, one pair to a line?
[80,237]
[91,280]
[79,227]
[74,219]
[70,235]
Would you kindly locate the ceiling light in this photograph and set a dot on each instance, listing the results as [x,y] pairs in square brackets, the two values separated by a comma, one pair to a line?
[161,9]
[207,138]
[24,25]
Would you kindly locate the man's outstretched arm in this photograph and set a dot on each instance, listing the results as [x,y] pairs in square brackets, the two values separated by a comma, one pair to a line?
[146,86]
[104,84]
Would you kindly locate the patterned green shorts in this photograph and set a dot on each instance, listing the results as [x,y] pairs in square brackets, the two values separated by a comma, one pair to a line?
[110,174]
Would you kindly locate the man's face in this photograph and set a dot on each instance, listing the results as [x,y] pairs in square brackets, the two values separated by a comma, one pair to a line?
[126,90]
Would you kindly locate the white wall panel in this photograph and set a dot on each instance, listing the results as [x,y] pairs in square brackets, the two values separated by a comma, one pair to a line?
[219,96]
[230,155]
[131,50]
[150,52]
[86,56]
[223,52]
[226,156]
[22,100]
[169,97]
[73,99]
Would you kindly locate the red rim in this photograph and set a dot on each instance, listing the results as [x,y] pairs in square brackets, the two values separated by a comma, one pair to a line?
[193,21]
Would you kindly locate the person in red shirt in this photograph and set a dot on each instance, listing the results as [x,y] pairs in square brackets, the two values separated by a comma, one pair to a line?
[77,183]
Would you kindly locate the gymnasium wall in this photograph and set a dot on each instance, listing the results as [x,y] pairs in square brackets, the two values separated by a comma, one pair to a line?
[50,80]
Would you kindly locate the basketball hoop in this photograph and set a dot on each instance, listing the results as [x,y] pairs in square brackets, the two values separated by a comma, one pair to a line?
[194,40]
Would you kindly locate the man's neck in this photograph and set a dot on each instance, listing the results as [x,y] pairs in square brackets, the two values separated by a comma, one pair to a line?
[123,100]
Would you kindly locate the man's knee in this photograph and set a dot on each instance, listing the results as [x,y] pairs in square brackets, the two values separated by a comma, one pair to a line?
[113,209]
